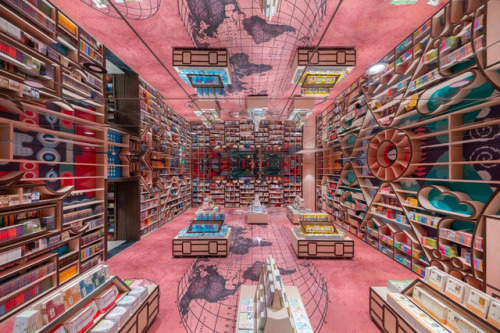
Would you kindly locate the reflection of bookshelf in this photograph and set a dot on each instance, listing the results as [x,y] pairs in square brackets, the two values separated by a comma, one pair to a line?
[270,306]
[438,303]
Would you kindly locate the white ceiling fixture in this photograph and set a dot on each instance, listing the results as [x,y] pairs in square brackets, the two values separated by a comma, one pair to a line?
[377,68]
[269,8]
[433,2]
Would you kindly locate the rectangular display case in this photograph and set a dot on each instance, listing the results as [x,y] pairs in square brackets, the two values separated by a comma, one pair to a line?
[201,226]
[317,237]
[204,238]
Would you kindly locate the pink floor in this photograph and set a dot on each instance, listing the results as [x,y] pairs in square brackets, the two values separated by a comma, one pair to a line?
[348,281]
[335,292]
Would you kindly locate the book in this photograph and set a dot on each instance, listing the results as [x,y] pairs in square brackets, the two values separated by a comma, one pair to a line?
[72,296]
[455,289]
[86,286]
[494,314]
[26,321]
[478,302]
[53,308]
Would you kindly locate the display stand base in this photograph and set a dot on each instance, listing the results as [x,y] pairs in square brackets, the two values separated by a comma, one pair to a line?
[257,218]
[204,246]
[322,248]
[293,215]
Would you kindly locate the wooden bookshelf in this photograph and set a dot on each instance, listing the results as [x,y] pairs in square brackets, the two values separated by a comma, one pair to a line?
[239,162]
[423,147]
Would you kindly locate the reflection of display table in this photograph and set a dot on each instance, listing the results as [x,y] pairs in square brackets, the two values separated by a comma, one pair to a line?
[256,217]
[211,244]
[271,307]
[319,238]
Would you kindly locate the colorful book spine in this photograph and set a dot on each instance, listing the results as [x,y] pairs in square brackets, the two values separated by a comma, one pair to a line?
[91,250]
[26,279]
[34,14]
[25,296]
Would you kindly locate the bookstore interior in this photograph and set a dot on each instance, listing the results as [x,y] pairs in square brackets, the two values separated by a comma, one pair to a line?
[271,166]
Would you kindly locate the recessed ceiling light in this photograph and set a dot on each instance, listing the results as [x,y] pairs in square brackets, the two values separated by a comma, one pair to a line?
[33,84]
[377,68]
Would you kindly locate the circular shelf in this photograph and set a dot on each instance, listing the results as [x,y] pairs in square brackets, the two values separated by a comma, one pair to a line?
[390,154]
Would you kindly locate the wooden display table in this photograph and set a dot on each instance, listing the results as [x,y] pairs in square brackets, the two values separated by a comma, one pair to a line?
[293,215]
[321,246]
[257,217]
[201,246]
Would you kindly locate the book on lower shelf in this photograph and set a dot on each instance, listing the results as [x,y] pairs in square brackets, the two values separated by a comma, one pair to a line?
[96,302]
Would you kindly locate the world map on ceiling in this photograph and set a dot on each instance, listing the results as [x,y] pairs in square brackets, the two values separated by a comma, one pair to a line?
[261,52]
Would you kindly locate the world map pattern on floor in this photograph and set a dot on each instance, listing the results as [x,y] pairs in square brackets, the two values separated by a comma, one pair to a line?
[208,293]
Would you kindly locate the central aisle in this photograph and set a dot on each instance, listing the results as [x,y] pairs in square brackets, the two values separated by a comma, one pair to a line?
[208,288]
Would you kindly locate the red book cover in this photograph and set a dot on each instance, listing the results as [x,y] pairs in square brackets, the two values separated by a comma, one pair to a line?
[53,308]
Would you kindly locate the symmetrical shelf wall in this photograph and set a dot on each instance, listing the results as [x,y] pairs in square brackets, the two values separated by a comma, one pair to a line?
[165,161]
[232,162]
[59,140]
[410,156]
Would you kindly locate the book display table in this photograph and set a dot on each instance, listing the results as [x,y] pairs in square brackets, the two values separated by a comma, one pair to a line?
[254,217]
[270,306]
[294,210]
[204,238]
[439,303]
[95,302]
[257,213]
[317,237]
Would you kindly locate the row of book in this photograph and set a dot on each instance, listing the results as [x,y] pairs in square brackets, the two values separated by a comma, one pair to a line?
[28,294]
[26,279]
[91,250]
[92,237]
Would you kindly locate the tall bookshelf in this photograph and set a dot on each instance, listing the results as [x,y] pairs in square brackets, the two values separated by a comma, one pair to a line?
[52,97]
[59,138]
[424,165]
[165,161]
